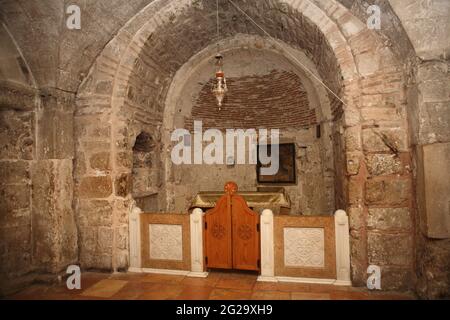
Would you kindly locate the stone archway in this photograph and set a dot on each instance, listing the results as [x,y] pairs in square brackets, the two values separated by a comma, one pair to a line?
[265,61]
[127,83]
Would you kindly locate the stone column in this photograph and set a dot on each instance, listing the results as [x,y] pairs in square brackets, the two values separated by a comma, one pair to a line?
[54,230]
[197,267]
[267,247]
[342,248]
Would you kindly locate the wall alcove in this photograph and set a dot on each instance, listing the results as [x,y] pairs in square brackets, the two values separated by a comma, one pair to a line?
[144,162]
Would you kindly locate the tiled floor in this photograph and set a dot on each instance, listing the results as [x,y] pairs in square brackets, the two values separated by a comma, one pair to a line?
[218,286]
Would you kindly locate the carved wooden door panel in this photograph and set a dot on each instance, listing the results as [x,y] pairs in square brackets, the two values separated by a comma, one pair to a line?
[218,251]
[232,233]
[245,235]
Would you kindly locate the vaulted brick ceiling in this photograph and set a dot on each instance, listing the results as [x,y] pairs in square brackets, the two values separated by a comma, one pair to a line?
[56,54]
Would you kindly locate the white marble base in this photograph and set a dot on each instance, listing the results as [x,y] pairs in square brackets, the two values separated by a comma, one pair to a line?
[160,271]
[267,279]
[170,272]
[198,274]
[135,270]
[342,283]
[304,280]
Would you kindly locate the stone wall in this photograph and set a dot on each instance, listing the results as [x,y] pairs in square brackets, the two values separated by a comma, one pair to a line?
[38,232]
[38,227]
[15,195]
[430,120]
[380,184]
[387,146]
[427,25]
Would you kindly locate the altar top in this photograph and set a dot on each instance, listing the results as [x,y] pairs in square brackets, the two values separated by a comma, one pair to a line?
[254,199]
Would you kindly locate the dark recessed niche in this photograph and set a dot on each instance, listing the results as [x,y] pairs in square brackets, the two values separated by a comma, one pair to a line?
[144,143]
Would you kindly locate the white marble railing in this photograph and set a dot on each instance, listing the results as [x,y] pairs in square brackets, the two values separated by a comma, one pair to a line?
[342,246]
[196,244]
[267,247]
[135,239]
[341,227]
[197,267]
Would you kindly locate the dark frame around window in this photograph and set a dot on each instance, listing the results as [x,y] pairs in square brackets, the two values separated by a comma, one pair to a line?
[287,171]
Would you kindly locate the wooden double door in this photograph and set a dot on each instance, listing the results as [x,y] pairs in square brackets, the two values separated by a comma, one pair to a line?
[232,235]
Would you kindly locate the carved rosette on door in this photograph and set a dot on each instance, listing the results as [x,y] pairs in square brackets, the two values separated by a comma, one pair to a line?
[232,238]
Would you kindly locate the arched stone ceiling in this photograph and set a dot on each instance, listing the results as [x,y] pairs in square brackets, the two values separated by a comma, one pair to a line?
[57,56]
[171,45]
[167,47]
[62,58]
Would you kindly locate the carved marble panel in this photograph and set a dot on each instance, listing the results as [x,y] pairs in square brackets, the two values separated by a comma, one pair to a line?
[166,242]
[304,247]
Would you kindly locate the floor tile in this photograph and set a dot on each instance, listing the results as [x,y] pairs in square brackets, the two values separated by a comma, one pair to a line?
[271,295]
[309,296]
[343,295]
[240,284]
[218,285]
[229,294]
[162,292]
[195,293]
[129,276]
[133,290]
[289,287]
[265,286]
[319,288]
[200,282]
[105,288]
[162,278]
[34,292]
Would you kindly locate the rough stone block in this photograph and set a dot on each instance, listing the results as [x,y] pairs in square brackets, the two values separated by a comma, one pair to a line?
[388,191]
[433,124]
[14,197]
[122,237]
[100,161]
[432,70]
[384,164]
[396,278]
[125,159]
[54,229]
[353,163]
[367,63]
[358,254]
[355,190]
[16,135]
[105,239]
[14,172]
[123,185]
[15,249]
[390,249]
[356,216]
[434,188]
[376,140]
[55,134]
[95,213]
[389,218]
[433,271]
[380,114]
[435,91]
[95,187]
[353,139]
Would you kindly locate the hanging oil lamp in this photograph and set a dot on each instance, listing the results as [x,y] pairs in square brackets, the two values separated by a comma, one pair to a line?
[220,86]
